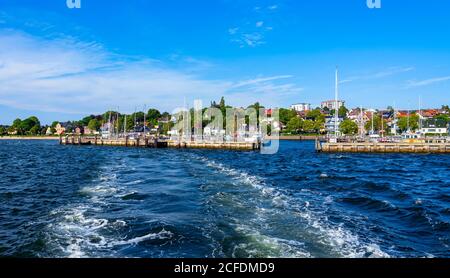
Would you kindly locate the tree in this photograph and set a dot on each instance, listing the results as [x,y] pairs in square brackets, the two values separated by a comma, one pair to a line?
[343,112]
[85,121]
[54,124]
[16,123]
[35,130]
[3,131]
[94,125]
[294,125]
[30,125]
[348,127]
[443,117]
[308,126]
[413,123]
[153,115]
[376,123]
[286,115]
[315,115]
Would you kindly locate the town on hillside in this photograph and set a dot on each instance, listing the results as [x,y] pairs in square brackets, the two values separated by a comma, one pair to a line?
[298,119]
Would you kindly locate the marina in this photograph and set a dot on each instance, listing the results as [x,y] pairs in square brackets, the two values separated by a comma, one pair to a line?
[377,147]
[153,142]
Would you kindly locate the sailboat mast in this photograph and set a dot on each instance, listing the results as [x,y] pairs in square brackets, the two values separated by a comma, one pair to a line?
[135,111]
[336,108]
[109,124]
[373,127]
[125,126]
[420,113]
[395,119]
[361,122]
[145,118]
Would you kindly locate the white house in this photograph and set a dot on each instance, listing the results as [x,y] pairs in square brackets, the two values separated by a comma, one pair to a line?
[330,125]
[434,126]
[331,104]
[301,107]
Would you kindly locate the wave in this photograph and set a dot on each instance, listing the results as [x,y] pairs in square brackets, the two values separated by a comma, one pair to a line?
[341,240]
[152,236]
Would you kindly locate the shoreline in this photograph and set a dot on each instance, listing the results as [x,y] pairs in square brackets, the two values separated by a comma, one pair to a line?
[284,138]
[29,138]
[298,137]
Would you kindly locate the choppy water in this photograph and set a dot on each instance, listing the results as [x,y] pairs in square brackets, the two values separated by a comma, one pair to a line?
[69,201]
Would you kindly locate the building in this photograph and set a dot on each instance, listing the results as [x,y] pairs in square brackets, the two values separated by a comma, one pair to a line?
[359,118]
[62,128]
[428,114]
[331,104]
[301,107]
[88,131]
[79,130]
[434,126]
[49,131]
[330,126]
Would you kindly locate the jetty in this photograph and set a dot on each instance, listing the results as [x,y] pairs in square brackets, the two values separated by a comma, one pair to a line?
[153,142]
[425,146]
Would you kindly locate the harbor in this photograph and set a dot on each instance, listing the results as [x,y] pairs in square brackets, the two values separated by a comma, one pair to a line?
[424,146]
[153,142]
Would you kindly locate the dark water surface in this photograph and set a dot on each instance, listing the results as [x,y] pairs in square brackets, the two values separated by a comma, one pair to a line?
[69,201]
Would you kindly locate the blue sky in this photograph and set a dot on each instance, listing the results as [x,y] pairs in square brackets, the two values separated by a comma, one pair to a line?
[61,64]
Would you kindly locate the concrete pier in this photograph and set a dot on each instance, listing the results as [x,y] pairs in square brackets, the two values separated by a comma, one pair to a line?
[367,147]
[157,143]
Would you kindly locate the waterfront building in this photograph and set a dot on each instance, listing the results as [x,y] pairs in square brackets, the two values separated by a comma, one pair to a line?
[62,128]
[434,126]
[49,131]
[331,104]
[428,114]
[330,124]
[105,130]
[301,107]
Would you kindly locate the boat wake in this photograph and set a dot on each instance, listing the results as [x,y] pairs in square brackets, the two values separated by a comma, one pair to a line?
[317,232]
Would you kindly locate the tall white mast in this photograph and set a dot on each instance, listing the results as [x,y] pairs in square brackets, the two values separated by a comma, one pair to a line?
[373,126]
[420,113]
[361,122]
[336,108]
[125,125]
[395,119]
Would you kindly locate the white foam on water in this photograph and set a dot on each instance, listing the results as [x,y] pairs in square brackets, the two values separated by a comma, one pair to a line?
[152,236]
[75,232]
[341,240]
[258,245]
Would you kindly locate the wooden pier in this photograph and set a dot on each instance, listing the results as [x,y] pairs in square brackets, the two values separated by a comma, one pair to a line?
[156,143]
[367,147]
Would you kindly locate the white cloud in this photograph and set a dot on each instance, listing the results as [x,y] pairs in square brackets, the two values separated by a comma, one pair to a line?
[428,81]
[273,7]
[377,75]
[69,76]
[259,24]
[233,31]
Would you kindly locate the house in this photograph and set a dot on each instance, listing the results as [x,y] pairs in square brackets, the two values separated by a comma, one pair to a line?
[105,130]
[88,131]
[301,107]
[331,104]
[330,124]
[428,114]
[62,128]
[164,120]
[434,126]
[49,131]
[79,130]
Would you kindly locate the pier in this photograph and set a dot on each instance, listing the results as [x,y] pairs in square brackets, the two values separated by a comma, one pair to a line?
[146,142]
[369,147]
